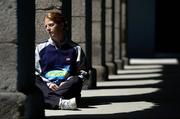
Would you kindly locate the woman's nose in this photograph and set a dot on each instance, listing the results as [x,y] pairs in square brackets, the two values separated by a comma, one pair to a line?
[47,28]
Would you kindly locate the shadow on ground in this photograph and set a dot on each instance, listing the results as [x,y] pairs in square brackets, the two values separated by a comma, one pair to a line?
[166,99]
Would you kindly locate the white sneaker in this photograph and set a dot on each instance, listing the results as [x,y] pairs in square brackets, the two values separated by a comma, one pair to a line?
[67,104]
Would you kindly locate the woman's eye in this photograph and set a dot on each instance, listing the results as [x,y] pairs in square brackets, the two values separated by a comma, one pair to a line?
[51,25]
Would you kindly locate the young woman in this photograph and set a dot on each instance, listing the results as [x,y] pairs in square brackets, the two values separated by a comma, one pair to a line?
[60,66]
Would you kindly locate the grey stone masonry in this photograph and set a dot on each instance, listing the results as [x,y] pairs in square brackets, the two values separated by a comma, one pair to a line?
[123,31]
[78,32]
[8,64]
[8,21]
[11,102]
[78,22]
[12,105]
[78,29]
[117,35]
[109,38]
[8,45]
[96,40]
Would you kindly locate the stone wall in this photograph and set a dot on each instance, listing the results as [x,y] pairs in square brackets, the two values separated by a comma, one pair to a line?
[78,22]
[11,102]
[8,45]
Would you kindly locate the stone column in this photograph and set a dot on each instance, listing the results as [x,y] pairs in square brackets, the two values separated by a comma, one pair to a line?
[117,38]
[81,35]
[97,43]
[93,73]
[11,101]
[34,106]
[112,68]
[78,22]
[123,31]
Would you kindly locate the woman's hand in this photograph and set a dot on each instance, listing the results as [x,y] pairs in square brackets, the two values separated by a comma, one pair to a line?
[53,86]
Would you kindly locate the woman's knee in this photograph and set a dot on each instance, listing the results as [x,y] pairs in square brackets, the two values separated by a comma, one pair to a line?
[76,80]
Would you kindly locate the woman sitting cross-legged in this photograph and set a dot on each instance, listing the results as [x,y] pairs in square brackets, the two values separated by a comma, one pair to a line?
[60,66]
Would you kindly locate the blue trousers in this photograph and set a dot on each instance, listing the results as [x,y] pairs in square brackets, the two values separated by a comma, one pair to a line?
[72,88]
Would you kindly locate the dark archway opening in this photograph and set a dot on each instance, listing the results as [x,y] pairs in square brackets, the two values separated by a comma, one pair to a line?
[167,23]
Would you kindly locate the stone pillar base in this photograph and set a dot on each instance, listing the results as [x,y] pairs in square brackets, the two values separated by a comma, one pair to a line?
[102,73]
[91,82]
[12,105]
[112,68]
[126,61]
[120,64]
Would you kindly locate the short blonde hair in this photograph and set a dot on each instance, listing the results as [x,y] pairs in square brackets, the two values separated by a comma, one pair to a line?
[55,16]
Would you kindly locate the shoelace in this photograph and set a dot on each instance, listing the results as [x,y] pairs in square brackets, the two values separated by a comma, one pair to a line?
[65,104]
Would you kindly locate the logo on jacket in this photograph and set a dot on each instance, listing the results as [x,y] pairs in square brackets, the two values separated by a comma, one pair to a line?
[58,75]
[68,59]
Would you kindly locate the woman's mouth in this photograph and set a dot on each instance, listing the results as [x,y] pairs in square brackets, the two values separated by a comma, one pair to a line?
[51,33]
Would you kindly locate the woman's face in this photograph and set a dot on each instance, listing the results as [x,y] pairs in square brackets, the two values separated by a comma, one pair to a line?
[54,30]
